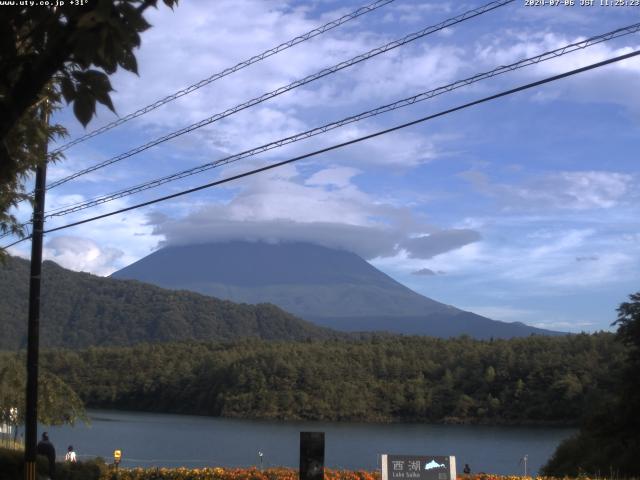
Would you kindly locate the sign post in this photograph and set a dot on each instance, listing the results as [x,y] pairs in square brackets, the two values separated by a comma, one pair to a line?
[311,455]
[117,456]
[523,461]
[417,467]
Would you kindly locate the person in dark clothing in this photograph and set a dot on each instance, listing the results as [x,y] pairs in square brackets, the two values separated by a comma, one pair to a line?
[467,469]
[46,448]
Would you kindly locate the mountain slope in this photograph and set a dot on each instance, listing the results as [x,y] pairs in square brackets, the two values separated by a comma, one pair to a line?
[79,310]
[329,287]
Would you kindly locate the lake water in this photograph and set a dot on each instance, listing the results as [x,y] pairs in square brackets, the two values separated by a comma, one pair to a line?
[179,440]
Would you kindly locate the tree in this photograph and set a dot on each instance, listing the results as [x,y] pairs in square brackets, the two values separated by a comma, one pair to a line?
[57,402]
[608,443]
[629,392]
[629,327]
[47,53]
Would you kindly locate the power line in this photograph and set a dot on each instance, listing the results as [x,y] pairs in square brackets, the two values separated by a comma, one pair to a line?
[351,142]
[228,71]
[16,242]
[7,233]
[10,232]
[298,83]
[65,210]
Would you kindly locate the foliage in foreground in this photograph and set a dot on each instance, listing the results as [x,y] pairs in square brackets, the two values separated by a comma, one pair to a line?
[58,403]
[277,474]
[46,53]
[608,442]
[12,468]
[235,474]
[12,464]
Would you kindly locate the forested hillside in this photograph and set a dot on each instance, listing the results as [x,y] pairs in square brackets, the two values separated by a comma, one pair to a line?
[527,380]
[79,309]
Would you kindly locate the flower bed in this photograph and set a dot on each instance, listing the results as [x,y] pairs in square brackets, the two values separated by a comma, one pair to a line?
[269,474]
[234,474]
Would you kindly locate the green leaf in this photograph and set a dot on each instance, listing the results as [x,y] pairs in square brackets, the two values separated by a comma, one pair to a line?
[86,49]
[96,84]
[97,80]
[68,89]
[109,52]
[134,40]
[105,99]
[84,106]
[104,8]
[129,62]
[89,20]
[133,18]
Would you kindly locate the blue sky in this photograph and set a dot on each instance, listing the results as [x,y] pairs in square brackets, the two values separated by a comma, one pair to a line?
[522,209]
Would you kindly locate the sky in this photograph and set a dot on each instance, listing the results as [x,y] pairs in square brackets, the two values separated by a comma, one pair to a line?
[525,208]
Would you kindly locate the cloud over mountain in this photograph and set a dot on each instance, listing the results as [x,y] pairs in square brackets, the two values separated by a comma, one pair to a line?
[428,246]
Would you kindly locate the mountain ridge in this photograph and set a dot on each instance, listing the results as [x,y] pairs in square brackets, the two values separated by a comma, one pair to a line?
[332,288]
[80,309]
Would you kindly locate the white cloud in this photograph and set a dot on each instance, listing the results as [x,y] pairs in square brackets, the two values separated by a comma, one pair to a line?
[581,190]
[326,208]
[545,263]
[205,42]
[427,272]
[609,267]
[209,39]
[81,254]
[433,244]
[369,198]
[400,150]
[337,176]
[99,247]
[520,258]
[396,75]
[514,45]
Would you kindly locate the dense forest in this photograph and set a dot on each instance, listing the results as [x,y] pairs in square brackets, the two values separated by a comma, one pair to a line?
[528,380]
[608,442]
[79,309]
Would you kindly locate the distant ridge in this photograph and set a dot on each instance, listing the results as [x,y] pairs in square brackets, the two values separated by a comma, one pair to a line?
[332,288]
[79,310]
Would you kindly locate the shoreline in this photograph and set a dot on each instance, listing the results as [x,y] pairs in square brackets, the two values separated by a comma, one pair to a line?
[445,421]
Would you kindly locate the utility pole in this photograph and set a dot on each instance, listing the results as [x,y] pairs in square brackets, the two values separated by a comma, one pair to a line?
[33,334]
[524,462]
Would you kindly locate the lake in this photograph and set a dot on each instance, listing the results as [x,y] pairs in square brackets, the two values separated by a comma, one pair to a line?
[180,440]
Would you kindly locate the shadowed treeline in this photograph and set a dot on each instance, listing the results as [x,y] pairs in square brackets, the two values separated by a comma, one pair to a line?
[550,380]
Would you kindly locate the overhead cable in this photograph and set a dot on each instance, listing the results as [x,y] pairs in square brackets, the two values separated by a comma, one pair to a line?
[558,52]
[350,142]
[228,71]
[298,83]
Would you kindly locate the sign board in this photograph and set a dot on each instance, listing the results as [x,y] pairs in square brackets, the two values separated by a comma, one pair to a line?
[418,467]
[117,455]
[311,455]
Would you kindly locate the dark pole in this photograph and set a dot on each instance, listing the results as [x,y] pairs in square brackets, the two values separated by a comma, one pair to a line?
[33,339]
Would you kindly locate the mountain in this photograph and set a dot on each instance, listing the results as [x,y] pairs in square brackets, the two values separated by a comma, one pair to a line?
[329,287]
[79,309]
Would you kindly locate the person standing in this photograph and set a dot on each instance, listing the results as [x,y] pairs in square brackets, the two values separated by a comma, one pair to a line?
[46,448]
[71,455]
[467,469]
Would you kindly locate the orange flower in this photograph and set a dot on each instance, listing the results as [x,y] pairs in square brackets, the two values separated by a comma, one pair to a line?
[275,473]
